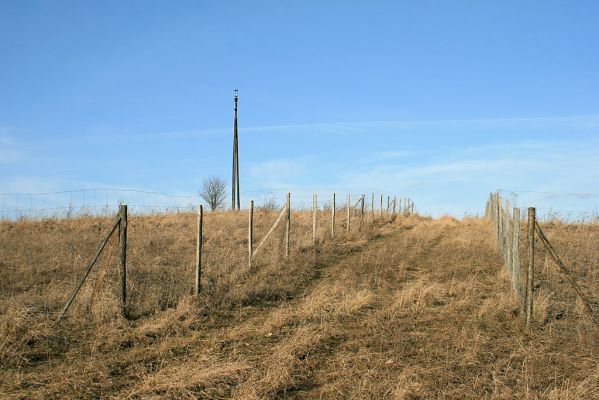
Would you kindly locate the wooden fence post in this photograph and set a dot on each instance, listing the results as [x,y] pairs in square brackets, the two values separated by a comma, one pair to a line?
[531,265]
[494,213]
[508,237]
[499,240]
[516,251]
[362,212]
[388,204]
[333,217]
[372,208]
[381,206]
[123,256]
[348,208]
[198,274]
[504,224]
[250,233]
[288,225]
[394,204]
[499,204]
[314,207]
[488,209]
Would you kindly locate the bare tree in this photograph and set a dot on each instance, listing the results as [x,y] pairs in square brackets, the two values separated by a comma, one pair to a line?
[214,192]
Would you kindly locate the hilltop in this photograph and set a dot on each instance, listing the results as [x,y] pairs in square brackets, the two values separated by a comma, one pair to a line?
[407,308]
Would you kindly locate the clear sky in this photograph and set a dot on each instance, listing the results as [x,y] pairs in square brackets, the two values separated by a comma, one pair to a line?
[444,100]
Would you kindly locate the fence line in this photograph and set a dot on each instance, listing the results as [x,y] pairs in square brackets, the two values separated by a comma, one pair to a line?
[506,227]
[101,202]
[121,223]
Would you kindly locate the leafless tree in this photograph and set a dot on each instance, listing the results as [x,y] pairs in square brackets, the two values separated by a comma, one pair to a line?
[214,192]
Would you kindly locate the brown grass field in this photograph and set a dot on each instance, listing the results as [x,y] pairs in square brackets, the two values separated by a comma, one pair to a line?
[408,308]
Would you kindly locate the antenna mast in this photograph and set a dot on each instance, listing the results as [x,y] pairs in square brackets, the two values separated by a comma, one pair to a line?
[235,178]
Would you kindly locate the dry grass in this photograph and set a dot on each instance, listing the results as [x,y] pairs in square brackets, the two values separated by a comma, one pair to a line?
[414,308]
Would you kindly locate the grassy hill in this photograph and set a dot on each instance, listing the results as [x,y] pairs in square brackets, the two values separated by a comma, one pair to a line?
[406,308]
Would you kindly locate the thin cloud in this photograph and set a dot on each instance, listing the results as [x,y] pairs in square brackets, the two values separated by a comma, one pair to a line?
[8,148]
[560,165]
[354,127]
[279,169]
[589,121]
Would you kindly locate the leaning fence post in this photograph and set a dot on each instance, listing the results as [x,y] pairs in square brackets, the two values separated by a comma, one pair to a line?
[348,220]
[333,207]
[198,280]
[314,206]
[288,225]
[250,233]
[123,256]
[88,270]
[531,265]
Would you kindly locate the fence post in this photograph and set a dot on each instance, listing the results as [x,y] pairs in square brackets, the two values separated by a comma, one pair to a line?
[250,233]
[498,205]
[494,212]
[314,206]
[333,217]
[394,204]
[372,207]
[198,280]
[488,209]
[504,224]
[348,220]
[499,212]
[288,225]
[381,206]
[362,211]
[388,204]
[123,256]
[531,265]
[516,251]
[508,237]
[502,228]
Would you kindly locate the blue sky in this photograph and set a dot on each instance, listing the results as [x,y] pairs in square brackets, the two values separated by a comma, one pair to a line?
[446,101]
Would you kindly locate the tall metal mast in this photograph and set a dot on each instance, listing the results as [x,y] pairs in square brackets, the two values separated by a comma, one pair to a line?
[235,178]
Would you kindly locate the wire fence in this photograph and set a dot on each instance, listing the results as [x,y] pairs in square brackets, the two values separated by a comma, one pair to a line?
[560,274]
[104,201]
[567,207]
